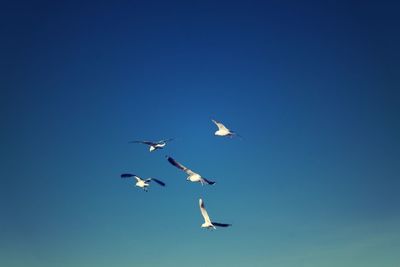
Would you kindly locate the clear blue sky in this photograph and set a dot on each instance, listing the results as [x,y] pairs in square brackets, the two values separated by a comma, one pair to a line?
[312,87]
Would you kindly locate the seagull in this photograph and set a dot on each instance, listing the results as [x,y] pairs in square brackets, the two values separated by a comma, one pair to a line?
[154,145]
[207,222]
[222,130]
[142,183]
[193,177]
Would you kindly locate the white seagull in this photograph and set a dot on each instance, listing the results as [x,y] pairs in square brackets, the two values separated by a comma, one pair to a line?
[222,130]
[193,177]
[207,222]
[142,183]
[154,145]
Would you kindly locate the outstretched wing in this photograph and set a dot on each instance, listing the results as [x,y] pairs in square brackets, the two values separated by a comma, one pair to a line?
[143,142]
[127,175]
[236,134]
[179,166]
[220,126]
[156,180]
[221,224]
[203,211]
[165,140]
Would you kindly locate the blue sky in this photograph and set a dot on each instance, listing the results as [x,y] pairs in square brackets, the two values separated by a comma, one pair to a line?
[312,88]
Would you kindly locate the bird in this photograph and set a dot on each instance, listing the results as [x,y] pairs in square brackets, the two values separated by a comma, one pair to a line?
[142,183]
[193,177]
[222,130]
[207,222]
[154,145]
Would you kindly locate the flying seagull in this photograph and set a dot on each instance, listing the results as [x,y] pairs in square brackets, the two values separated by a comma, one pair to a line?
[222,130]
[207,222]
[193,177]
[142,183]
[154,145]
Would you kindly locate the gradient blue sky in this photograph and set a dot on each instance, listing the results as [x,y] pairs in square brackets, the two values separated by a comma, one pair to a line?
[312,87]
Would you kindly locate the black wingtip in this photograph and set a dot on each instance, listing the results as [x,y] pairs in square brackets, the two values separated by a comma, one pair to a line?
[209,182]
[158,182]
[127,175]
[221,224]
[172,161]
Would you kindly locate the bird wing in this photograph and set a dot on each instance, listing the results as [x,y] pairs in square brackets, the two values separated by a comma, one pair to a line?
[220,125]
[221,224]
[180,166]
[165,140]
[208,181]
[203,211]
[143,142]
[236,134]
[156,180]
[129,175]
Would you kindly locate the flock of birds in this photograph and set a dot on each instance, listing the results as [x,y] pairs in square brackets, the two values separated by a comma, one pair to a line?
[192,176]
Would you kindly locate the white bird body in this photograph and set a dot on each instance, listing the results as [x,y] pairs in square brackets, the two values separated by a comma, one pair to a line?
[222,130]
[158,146]
[207,222]
[208,225]
[142,183]
[192,176]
